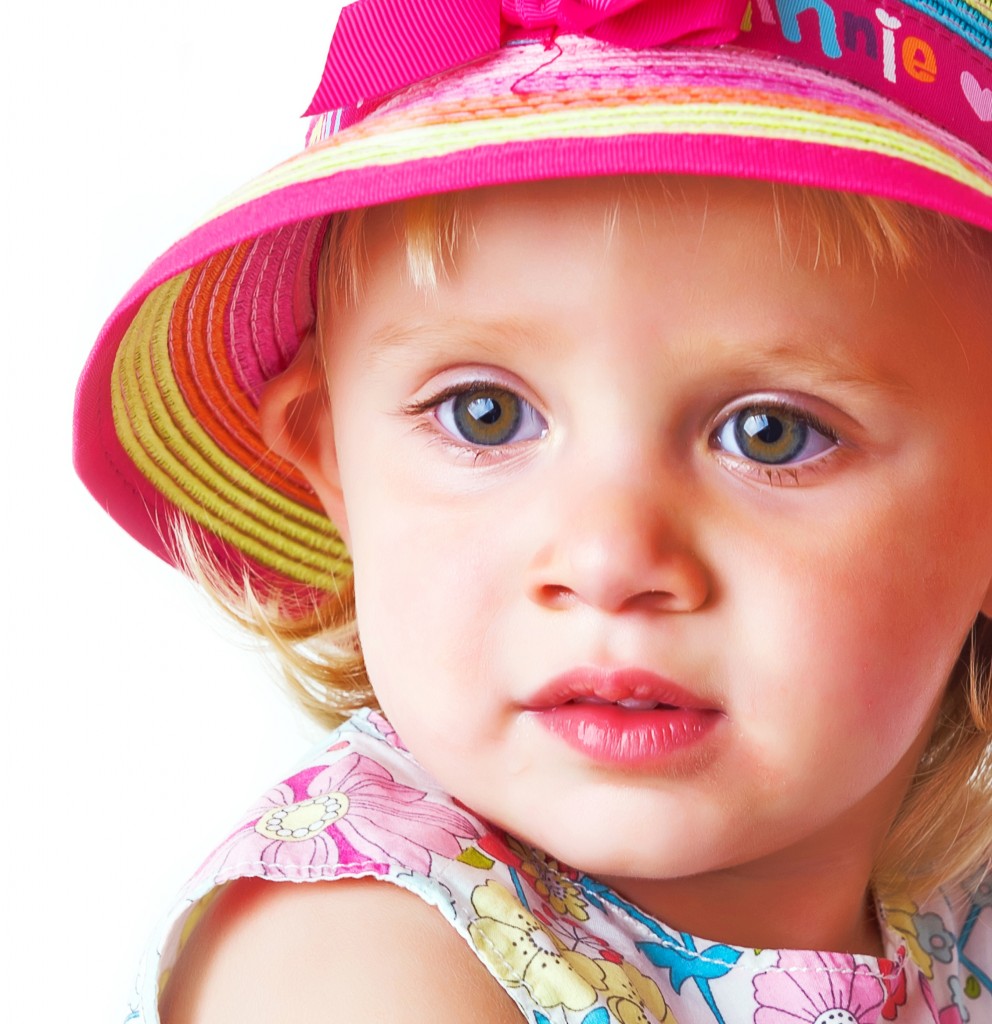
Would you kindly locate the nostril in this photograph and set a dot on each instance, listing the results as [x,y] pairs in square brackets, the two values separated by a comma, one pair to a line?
[553,595]
[653,600]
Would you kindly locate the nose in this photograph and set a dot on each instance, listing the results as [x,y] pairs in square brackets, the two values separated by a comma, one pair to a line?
[617,549]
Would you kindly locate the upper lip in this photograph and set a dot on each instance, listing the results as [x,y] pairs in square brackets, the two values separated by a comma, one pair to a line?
[614,685]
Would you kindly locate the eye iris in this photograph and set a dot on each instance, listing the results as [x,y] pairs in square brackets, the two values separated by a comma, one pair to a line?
[771,436]
[487,417]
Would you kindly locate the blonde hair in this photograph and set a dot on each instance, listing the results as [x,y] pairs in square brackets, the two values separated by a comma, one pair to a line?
[942,833]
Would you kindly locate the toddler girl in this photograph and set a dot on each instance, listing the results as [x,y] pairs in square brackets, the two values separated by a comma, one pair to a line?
[595,419]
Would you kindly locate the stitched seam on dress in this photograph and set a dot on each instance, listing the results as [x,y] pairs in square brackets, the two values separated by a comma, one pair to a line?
[862,969]
[518,978]
[700,956]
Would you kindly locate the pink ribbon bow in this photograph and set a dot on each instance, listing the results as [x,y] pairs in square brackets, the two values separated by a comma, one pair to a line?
[382,45]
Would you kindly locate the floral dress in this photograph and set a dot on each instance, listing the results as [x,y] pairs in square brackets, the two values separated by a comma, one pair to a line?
[565,947]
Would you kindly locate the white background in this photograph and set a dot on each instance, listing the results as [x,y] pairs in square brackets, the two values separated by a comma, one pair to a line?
[132,730]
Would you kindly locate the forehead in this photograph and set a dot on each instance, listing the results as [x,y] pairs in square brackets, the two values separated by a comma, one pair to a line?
[731,251]
[811,225]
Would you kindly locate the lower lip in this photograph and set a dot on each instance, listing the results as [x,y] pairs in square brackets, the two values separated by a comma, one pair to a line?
[622,736]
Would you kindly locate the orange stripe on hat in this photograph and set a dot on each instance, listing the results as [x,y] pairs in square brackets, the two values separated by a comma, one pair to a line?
[208,382]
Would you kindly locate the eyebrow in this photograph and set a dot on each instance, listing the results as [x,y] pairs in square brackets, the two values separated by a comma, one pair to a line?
[847,370]
[489,338]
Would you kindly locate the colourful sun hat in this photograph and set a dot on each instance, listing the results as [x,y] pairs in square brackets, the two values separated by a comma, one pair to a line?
[427,96]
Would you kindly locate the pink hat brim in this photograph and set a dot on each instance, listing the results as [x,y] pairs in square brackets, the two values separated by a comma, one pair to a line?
[793,137]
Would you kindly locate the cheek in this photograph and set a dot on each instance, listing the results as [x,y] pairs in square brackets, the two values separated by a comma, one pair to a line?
[428,585]
[846,647]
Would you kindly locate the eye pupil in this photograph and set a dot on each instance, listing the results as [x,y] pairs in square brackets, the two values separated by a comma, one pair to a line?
[765,429]
[485,410]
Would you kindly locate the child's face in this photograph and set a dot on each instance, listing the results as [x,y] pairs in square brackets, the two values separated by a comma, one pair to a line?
[799,585]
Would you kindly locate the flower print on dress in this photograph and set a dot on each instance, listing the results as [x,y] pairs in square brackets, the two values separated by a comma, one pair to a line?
[818,988]
[901,918]
[949,1014]
[631,997]
[982,896]
[958,998]
[578,936]
[934,937]
[521,952]
[348,816]
[898,990]
[549,880]
[385,730]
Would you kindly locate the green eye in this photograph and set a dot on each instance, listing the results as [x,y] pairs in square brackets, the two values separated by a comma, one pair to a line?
[487,416]
[773,435]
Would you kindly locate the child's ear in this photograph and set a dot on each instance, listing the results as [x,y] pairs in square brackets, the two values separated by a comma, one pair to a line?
[294,418]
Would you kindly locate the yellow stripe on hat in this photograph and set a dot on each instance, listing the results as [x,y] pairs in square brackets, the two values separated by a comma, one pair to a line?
[982,6]
[167,444]
[853,131]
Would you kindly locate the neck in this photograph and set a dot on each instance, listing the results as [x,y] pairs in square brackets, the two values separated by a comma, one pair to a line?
[824,907]
[812,895]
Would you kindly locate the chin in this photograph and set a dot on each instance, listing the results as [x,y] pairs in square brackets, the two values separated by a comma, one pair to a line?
[626,852]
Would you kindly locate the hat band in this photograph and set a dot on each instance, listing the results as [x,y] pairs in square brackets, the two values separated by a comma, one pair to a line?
[696,111]
[933,57]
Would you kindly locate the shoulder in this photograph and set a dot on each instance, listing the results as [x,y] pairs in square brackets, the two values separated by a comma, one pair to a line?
[359,949]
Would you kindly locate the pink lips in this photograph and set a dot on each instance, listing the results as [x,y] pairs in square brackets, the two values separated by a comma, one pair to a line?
[623,717]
